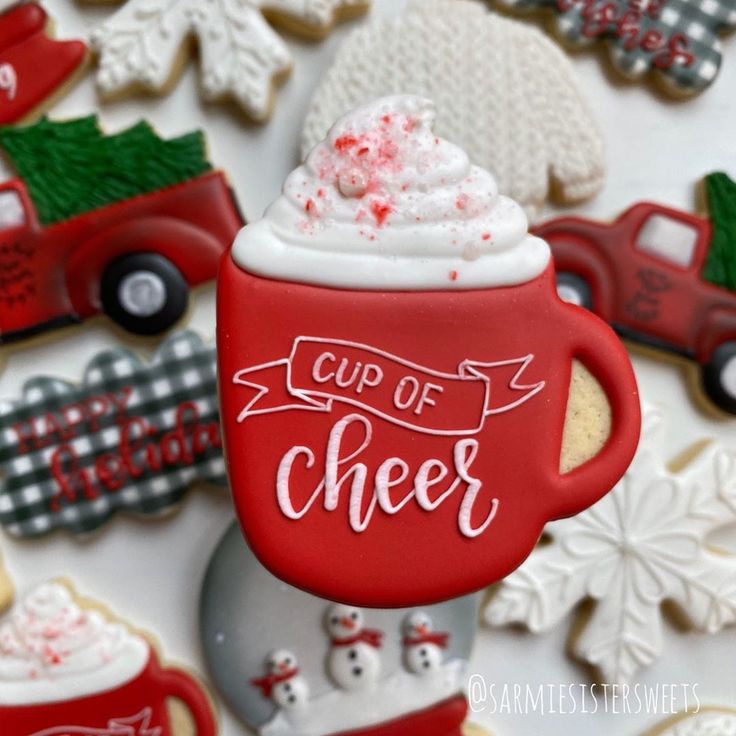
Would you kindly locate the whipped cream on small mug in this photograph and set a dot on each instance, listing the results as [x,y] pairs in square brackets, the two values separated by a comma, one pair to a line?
[385,204]
[53,650]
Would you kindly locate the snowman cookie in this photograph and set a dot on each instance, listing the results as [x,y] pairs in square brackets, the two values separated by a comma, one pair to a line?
[69,668]
[423,647]
[288,663]
[369,404]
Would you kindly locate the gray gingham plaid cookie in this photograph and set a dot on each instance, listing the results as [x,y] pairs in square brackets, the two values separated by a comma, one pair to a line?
[133,436]
[676,39]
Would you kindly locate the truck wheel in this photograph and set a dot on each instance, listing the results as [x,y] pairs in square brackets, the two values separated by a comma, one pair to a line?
[144,293]
[574,289]
[719,377]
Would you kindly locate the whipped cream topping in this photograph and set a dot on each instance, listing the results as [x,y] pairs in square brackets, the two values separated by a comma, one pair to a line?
[52,650]
[383,203]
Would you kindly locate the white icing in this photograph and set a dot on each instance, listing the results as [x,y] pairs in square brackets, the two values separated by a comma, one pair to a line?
[240,53]
[505,93]
[341,711]
[383,203]
[669,239]
[52,650]
[648,541]
[705,723]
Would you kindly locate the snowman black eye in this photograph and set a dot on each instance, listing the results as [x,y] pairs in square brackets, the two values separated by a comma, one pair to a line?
[287,660]
[335,619]
[354,615]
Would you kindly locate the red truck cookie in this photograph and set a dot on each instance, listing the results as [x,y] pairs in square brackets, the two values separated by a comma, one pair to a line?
[133,259]
[26,84]
[660,276]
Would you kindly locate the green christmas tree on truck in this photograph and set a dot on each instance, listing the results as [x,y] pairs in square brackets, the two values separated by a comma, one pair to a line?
[122,224]
[720,268]
[71,167]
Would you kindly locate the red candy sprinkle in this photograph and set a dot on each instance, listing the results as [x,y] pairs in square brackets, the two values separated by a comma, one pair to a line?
[486,236]
[345,143]
[381,210]
[453,275]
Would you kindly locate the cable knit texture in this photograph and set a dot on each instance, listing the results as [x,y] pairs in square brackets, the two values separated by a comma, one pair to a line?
[504,92]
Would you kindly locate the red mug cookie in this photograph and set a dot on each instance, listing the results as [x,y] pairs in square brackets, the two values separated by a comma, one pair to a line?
[65,671]
[395,367]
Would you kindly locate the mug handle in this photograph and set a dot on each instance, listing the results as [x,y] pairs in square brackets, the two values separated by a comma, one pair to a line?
[177,684]
[604,355]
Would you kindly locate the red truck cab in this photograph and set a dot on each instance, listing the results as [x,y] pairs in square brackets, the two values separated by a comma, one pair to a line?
[135,260]
[643,274]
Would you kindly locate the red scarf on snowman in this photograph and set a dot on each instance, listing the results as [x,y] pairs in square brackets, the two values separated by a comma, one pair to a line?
[372,637]
[267,683]
[439,638]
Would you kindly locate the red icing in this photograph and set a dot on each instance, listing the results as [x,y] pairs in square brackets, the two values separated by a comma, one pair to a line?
[442,443]
[372,637]
[443,719]
[25,83]
[141,450]
[61,265]
[670,305]
[438,638]
[628,21]
[147,694]
[267,683]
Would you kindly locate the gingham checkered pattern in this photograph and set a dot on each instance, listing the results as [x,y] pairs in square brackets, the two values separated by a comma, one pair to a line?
[183,369]
[699,21]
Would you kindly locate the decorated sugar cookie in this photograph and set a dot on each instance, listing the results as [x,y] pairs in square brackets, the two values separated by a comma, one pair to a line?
[143,45]
[370,404]
[525,117]
[67,668]
[27,87]
[662,277]
[6,587]
[644,543]
[288,663]
[133,436]
[122,224]
[675,41]
[706,722]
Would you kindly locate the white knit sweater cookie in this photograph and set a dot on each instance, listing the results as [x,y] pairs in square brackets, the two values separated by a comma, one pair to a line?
[503,91]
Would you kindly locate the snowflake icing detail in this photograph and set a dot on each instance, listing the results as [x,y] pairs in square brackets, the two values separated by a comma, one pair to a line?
[644,543]
[240,53]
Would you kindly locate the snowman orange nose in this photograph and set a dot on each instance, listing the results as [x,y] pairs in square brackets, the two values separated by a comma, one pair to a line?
[348,623]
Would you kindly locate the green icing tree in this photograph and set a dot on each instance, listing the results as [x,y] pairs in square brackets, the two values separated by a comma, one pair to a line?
[720,268]
[72,167]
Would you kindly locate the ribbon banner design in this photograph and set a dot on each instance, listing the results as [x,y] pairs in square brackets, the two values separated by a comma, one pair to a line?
[321,371]
[137,725]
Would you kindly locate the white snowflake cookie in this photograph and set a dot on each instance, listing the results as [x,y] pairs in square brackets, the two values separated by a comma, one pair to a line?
[144,44]
[503,91]
[645,542]
[704,722]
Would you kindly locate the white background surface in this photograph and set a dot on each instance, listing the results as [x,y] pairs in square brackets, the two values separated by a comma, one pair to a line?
[150,572]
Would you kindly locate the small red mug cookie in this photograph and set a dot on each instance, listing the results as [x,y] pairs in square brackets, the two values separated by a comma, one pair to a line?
[66,671]
[395,367]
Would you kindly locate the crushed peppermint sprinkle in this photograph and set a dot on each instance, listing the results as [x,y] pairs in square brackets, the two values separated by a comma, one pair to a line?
[383,189]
